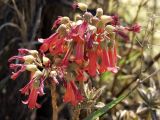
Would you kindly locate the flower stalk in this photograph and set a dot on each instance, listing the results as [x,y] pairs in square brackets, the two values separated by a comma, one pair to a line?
[54,102]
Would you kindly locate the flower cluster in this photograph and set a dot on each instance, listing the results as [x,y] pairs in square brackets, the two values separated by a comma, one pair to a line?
[78,50]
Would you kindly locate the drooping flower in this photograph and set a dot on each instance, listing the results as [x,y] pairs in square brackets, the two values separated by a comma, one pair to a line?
[134,28]
[57,22]
[26,58]
[57,46]
[82,29]
[104,60]
[32,100]
[72,94]
[66,57]
[112,60]
[34,88]
[46,42]
[92,66]
[79,57]
[61,20]
[21,68]
[108,56]
[77,93]
[24,51]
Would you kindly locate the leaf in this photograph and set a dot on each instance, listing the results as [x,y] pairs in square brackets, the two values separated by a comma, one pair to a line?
[107,107]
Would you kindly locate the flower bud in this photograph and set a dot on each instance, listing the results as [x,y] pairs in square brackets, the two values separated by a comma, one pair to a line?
[33,52]
[62,29]
[28,58]
[87,16]
[106,19]
[31,68]
[36,83]
[65,20]
[110,28]
[53,73]
[92,28]
[99,12]
[46,61]
[95,20]
[37,74]
[82,6]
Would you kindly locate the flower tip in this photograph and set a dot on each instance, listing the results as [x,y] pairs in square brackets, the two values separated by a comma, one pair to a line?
[38,105]
[41,40]
[114,70]
[25,102]
[99,12]
[106,19]
[13,77]
[134,28]
[23,51]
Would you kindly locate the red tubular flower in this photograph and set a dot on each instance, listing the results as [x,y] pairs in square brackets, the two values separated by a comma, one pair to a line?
[78,30]
[134,28]
[72,94]
[69,95]
[78,35]
[82,28]
[23,51]
[33,88]
[79,53]
[17,66]
[104,61]
[56,46]
[65,59]
[41,88]
[57,22]
[77,93]
[32,99]
[112,60]
[89,40]
[79,57]
[21,58]
[92,66]
[46,42]
[26,88]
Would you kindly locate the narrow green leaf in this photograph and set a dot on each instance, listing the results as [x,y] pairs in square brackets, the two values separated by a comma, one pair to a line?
[107,107]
